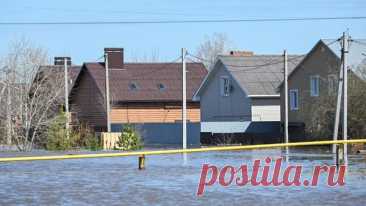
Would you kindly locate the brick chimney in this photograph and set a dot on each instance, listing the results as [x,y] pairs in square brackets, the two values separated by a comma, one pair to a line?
[115,57]
[61,60]
[241,53]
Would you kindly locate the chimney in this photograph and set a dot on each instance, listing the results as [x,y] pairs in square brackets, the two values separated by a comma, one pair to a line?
[241,53]
[61,60]
[115,57]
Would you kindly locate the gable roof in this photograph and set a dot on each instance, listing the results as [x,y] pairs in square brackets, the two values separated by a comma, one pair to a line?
[153,82]
[73,72]
[257,75]
[356,53]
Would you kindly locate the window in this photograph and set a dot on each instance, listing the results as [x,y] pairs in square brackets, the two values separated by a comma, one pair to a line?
[314,86]
[133,86]
[332,84]
[161,87]
[225,86]
[294,99]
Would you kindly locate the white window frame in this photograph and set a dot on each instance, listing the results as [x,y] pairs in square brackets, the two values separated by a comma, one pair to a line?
[225,85]
[314,93]
[332,84]
[294,106]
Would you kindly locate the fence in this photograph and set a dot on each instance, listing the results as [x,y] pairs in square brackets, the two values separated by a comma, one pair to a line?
[176,151]
[109,140]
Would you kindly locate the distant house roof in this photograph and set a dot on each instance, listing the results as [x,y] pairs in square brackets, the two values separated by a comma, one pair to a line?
[73,71]
[147,82]
[257,75]
[356,53]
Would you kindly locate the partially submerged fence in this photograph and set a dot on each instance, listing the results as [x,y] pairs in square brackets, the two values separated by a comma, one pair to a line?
[176,151]
[109,140]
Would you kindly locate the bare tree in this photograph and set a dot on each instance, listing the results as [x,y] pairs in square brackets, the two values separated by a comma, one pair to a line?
[33,94]
[152,57]
[213,45]
[321,123]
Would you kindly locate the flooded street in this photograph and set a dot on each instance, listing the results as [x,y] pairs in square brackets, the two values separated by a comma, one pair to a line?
[168,180]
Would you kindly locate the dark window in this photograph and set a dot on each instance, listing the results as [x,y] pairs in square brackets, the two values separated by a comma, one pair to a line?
[133,86]
[161,87]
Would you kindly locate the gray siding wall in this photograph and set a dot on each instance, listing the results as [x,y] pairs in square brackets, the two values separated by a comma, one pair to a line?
[214,107]
[266,109]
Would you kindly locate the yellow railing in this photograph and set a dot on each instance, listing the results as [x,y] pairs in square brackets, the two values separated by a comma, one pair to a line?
[175,151]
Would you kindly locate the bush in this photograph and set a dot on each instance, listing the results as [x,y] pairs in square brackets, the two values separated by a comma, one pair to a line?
[81,137]
[129,139]
[84,137]
[56,134]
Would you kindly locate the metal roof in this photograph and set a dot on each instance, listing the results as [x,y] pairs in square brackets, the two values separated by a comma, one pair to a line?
[259,74]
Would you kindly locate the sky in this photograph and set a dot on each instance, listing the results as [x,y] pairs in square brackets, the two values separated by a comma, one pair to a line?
[85,43]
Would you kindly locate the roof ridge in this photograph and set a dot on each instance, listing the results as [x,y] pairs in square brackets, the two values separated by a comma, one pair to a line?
[260,55]
[146,63]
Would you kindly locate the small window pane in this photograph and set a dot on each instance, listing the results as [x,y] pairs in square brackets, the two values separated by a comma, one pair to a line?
[294,100]
[225,86]
[133,86]
[314,86]
[161,87]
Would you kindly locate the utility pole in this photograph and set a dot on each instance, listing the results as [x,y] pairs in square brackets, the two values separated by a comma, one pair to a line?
[345,93]
[286,97]
[67,99]
[184,99]
[107,93]
[338,108]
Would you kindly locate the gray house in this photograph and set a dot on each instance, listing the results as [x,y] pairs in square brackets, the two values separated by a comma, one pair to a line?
[313,86]
[239,97]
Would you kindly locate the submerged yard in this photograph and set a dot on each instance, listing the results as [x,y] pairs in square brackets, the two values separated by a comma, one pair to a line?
[169,180]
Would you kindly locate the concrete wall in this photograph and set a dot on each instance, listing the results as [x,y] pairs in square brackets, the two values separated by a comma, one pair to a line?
[214,107]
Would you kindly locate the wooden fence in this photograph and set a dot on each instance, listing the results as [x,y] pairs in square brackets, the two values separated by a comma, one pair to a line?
[109,140]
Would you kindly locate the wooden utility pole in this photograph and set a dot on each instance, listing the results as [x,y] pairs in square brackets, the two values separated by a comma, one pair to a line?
[285,80]
[345,93]
[107,93]
[184,99]
[67,99]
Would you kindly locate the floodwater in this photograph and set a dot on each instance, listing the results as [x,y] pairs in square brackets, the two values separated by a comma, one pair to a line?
[168,180]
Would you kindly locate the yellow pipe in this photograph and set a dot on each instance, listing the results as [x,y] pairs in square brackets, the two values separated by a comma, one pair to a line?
[175,151]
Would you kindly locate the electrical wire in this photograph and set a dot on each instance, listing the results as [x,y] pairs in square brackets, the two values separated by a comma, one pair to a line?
[252,67]
[184,21]
[359,42]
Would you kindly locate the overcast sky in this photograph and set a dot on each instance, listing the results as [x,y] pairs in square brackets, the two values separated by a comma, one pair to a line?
[86,42]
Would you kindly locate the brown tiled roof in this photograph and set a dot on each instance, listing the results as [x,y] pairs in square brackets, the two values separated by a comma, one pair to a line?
[147,77]
[73,71]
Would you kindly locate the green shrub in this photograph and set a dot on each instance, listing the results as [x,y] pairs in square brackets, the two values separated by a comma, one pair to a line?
[84,137]
[80,137]
[129,139]
[56,134]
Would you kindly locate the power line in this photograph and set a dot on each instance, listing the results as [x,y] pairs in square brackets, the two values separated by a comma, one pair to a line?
[252,67]
[359,42]
[184,21]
